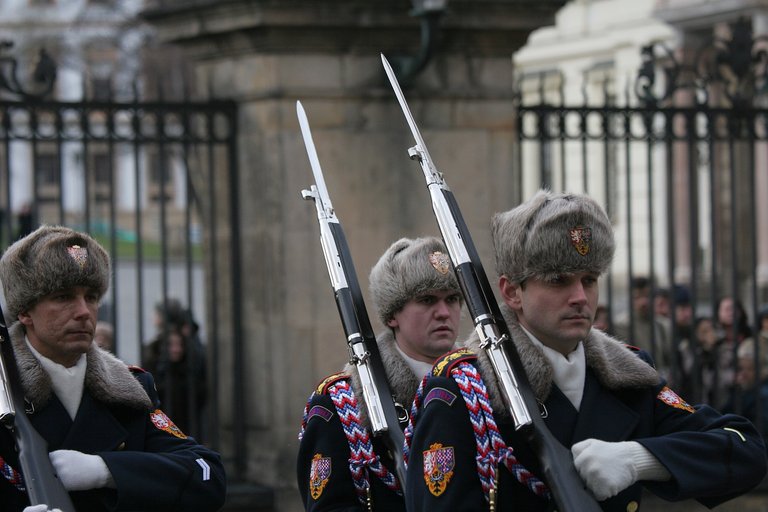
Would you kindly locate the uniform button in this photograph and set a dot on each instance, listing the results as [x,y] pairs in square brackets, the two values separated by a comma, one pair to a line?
[121,446]
[632,506]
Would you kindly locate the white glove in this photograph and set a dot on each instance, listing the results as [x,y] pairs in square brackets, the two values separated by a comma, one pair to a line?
[609,468]
[40,508]
[79,471]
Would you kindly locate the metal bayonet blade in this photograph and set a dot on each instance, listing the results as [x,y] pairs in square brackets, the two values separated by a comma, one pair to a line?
[317,171]
[404,106]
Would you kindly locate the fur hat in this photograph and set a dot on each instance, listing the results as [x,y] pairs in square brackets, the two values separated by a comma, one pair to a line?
[410,267]
[552,234]
[51,258]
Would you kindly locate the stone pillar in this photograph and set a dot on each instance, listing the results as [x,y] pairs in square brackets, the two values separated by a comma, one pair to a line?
[268,55]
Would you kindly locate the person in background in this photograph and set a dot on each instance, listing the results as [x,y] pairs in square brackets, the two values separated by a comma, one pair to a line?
[418,299]
[733,328]
[732,321]
[645,328]
[625,428]
[181,383]
[602,318]
[683,309]
[104,335]
[110,444]
[751,400]
[168,315]
[177,359]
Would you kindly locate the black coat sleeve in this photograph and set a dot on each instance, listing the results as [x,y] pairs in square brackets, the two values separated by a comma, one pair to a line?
[326,484]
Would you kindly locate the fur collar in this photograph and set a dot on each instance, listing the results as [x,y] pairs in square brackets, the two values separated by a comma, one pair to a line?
[107,378]
[402,381]
[615,366]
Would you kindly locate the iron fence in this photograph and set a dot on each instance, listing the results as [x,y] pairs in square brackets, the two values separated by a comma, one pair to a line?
[156,183]
[679,162]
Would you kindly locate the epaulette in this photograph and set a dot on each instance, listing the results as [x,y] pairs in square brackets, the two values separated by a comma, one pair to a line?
[641,354]
[322,388]
[444,364]
[136,369]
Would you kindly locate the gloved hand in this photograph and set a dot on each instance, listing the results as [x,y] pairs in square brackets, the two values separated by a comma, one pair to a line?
[79,471]
[40,508]
[609,468]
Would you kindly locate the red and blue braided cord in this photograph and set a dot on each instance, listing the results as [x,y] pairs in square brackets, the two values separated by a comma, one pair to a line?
[491,448]
[13,476]
[415,408]
[362,457]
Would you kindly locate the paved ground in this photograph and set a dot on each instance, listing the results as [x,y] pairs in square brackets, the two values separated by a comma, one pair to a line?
[754,502]
[289,501]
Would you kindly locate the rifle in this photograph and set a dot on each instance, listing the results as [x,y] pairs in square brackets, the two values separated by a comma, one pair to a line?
[40,480]
[361,341]
[564,482]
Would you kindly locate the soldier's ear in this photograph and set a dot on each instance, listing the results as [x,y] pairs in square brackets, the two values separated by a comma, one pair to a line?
[510,292]
[25,319]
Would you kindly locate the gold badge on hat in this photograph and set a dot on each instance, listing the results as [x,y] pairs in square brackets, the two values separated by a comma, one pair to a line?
[581,237]
[78,254]
[440,261]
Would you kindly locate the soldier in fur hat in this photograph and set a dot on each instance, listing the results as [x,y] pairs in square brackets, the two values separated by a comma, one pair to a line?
[110,444]
[599,397]
[416,295]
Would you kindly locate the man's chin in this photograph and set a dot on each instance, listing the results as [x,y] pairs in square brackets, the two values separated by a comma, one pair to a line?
[444,345]
[576,335]
[80,344]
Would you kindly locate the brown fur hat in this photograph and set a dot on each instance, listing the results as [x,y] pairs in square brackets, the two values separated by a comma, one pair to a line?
[51,258]
[552,234]
[410,267]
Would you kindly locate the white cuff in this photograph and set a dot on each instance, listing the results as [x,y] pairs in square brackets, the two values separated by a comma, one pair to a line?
[647,465]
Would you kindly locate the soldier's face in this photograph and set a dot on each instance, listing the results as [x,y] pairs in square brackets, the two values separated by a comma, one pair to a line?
[427,326]
[745,372]
[61,325]
[558,311]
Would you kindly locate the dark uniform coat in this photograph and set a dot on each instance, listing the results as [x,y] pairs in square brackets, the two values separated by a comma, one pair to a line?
[711,457]
[324,436]
[153,464]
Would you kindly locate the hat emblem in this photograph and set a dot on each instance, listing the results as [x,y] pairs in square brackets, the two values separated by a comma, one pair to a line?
[78,254]
[581,237]
[440,261]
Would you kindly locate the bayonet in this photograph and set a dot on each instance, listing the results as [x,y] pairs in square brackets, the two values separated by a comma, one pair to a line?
[564,483]
[363,349]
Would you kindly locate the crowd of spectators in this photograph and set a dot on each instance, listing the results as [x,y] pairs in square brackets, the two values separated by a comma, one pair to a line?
[720,359]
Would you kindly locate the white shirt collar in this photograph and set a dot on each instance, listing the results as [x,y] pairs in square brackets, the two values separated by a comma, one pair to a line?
[67,382]
[568,372]
[419,368]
